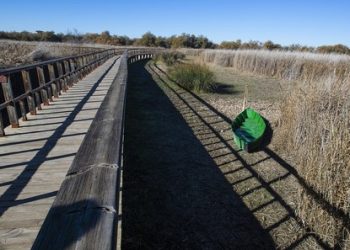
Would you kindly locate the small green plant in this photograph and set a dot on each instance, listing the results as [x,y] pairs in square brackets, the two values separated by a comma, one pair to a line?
[170,58]
[195,77]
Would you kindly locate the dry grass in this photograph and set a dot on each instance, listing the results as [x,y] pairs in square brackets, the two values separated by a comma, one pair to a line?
[14,53]
[296,66]
[314,129]
[195,77]
[315,126]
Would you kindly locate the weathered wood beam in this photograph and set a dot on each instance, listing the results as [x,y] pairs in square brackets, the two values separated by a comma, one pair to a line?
[55,87]
[84,213]
[44,92]
[8,96]
[28,88]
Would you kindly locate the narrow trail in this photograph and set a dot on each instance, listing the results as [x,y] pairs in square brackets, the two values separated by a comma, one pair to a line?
[187,186]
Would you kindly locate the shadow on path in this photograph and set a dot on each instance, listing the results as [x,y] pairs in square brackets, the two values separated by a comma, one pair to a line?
[203,110]
[174,195]
[19,183]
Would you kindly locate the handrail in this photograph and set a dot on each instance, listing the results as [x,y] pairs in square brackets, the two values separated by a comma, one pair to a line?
[85,211]
[28,87]
[34,65]
[38,83]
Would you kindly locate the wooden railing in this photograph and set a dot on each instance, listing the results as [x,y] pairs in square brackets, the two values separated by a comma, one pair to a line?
[25,89]
[84,214]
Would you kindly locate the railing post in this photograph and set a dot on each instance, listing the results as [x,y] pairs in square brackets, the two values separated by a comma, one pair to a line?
[73,67]
[67,79]
[23,110]
[28,88]
[55,86]
[2,131]
[61,81]
[43,91]
[8,96]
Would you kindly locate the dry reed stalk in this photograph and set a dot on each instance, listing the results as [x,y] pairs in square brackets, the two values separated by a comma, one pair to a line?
[286,65]
[314,128]
[13,53]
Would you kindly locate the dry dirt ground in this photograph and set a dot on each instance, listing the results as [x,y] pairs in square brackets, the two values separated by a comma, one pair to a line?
[187,186]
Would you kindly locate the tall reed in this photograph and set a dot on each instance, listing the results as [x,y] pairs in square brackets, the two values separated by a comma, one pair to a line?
[286,65]
[315,126]
[314,129]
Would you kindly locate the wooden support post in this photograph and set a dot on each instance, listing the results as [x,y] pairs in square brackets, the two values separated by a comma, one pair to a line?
[41,78]
[38,100]
[67,79]
[23,110]
[49,93]
[80,65]
[55,86]
[2,128]
[74,76]
[8,96]
[28,88]
[61,86]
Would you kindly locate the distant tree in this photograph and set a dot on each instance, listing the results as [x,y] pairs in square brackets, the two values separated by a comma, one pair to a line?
[230,44]
[162,42]
[271,46]
[147,39]
[251,45]
[338,48]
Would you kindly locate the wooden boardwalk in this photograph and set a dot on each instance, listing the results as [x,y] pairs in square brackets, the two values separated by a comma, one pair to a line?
[34,158]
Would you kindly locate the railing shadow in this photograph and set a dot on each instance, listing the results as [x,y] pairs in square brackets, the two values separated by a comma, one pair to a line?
[65,225]
[186,96]
[41,156]
[174,196]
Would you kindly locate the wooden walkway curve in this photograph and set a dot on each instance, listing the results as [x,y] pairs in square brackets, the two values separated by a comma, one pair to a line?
[36,157]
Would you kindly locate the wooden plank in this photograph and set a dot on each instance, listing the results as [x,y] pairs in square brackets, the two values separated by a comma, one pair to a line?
[103,142]
[65,230]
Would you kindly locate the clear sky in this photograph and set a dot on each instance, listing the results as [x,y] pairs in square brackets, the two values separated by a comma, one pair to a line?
[308,22]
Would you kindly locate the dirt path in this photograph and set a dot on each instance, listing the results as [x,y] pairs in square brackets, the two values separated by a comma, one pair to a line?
[187,187]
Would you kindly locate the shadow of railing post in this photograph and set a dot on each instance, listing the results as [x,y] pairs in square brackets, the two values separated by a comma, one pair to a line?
[326,205]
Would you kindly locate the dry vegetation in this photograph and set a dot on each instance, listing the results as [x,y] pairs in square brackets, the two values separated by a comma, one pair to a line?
[14,53]
[300,66]
[314,128]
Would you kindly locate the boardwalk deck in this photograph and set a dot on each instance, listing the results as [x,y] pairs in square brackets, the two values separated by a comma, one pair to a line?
[34,158]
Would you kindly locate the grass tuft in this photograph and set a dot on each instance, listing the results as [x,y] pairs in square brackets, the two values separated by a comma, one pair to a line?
[170,58]
[195,77]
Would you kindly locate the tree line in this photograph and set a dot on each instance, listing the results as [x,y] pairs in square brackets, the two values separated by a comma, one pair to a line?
[176,41]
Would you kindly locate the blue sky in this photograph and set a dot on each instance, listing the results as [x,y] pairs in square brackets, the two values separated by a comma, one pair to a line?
[308,22]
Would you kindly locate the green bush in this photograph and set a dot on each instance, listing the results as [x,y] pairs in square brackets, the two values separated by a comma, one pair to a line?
[194,77]
[170,58]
